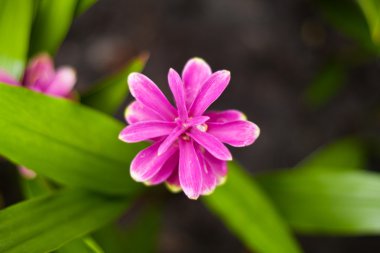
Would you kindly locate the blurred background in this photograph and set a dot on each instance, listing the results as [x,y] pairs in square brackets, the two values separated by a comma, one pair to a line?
[298,71]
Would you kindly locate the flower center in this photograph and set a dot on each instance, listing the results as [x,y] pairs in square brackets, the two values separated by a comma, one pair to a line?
[186,125]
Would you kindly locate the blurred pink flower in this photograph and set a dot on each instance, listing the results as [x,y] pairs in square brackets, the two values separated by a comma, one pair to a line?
[41,76]
[187,150]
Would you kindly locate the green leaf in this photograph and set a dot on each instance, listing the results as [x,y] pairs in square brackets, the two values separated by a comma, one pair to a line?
[331,202]
[65,141]
[51,24]
[83,5]
[46,223]
[326,84]
[139,234]
[371,10]
[245,209]
[109,94]
[343,154]
[15,23]
[347,17]
[83,245]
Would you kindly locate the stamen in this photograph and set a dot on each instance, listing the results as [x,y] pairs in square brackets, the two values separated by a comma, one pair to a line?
[202,127]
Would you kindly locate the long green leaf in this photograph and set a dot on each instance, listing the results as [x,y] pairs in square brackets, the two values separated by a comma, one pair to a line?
[335,202]
[371,10]
[245,209]
[83,245]
[83,5]
[46,223]
[51,24]
[15,23]
[64,141]
[108,95]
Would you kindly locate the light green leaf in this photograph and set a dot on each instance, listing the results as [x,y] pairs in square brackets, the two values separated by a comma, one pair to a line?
[83,245]
[51,24]
[334,202]
[371,10]
[343,154]
[65,141]
[83,5]
[46,223]
[245,209]
[108,95]
[15,23]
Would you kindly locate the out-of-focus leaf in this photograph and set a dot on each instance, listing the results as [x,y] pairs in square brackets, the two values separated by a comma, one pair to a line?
[329,202]
[64,141]
[137,234]
[15,23]
[371,10]
[326,84]
[83,5]
[347,17]
[61,217]
[51,24]
[245,209]
[108,95]
[83,245]
[342,154]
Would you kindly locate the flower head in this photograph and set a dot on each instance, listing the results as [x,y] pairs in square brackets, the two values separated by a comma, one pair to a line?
[187,150]
[41,76]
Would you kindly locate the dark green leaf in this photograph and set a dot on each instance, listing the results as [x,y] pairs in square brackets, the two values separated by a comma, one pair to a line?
[108,95]
[245,209]
[83,245]
[51,24]
[83,5]
[46,223]
[65,141]
[336,202]
[371,10]
[15,23]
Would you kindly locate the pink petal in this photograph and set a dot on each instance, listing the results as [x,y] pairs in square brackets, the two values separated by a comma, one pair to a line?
[210,91]
[172,182]
[27,173]
[63,82]
[172,137]
[218,167]
[176,86]
[147,163]
[211,144]
[146,130]
[225,116]
[137,112]
[39,73]
[209,179]
[8,79]
[190,171]
[147,92]
[195,73]
[236,133]
[166,170]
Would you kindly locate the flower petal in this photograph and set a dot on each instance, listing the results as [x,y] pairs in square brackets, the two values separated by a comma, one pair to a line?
[211,144]
[172,137]
[195,73]
[166,170]
[147,163]
[147,92]
[236,133]
[172,183]
[190,171]
[146,130]
[8,79]
[210,91]
[218,167]
[209,179]
[176,86]
[225,116]
[63,82]
[136,112]
[39,73]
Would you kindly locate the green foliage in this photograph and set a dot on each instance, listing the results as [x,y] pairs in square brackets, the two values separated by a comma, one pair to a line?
[64,141]
[85,245]
[371,10]
[15,22]
[46,223]
[51,24]
[108,95]
[245,209]
[339,202]
[83,5]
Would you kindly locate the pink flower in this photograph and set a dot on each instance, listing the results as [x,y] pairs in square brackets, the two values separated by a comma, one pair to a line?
[187,150]
[41,76]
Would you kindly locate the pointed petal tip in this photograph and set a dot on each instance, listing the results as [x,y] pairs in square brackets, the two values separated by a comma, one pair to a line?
[173,188]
